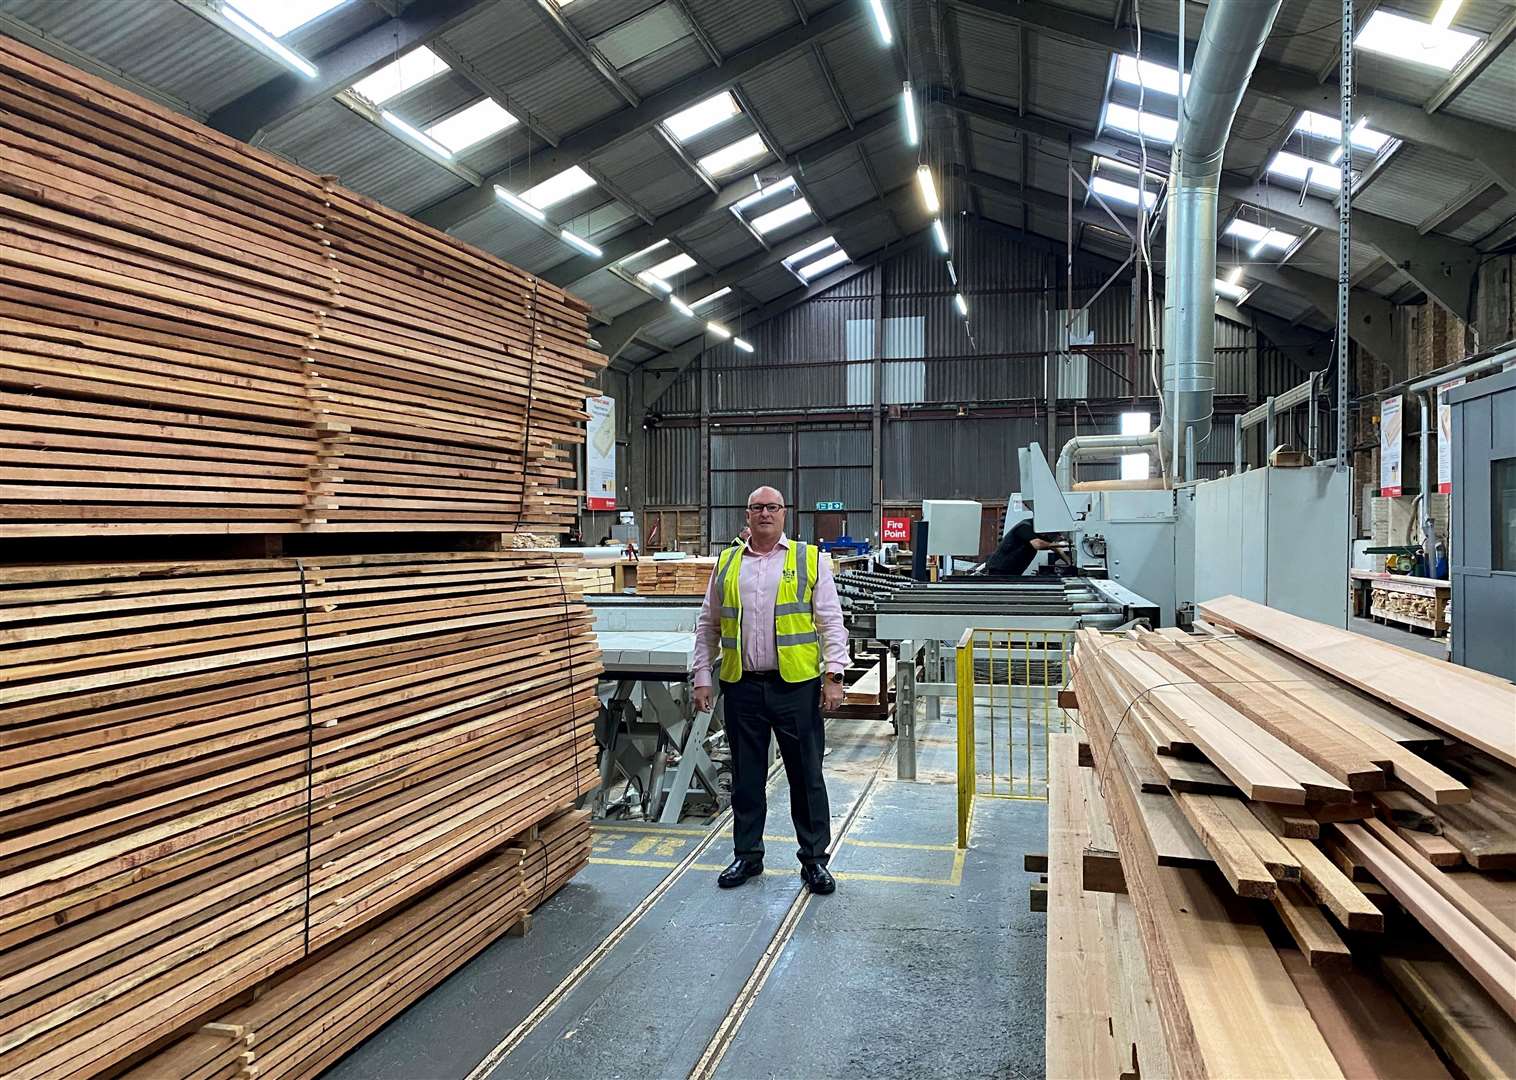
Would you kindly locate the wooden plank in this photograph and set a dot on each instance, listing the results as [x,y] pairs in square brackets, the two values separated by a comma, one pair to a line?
[1459,1016]
[1234,856]
[1334,889]
[1318,942]
[1474,710]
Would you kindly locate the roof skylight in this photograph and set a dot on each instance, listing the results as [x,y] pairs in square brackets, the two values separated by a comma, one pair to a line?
[555,189]
[398,76]
[665,271]
[1320,126]
[1261,236]
[781,216]
[1317,174]
[734,156]
[280,17]
[1149,75]
[1151,125]
[1231,290]
[647,250]
[1415,41]
[1126,193]
[474,124]
[784,183]
[823,264]
[702,116]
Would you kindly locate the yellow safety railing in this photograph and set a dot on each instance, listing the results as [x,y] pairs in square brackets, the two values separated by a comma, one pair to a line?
[1008,683]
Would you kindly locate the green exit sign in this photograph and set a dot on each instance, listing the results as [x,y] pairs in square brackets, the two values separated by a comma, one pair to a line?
[830,505]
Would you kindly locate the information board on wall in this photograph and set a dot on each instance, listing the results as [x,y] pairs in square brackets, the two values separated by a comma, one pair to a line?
[1445,438]
[1391,431]
[600,454]
[895,530]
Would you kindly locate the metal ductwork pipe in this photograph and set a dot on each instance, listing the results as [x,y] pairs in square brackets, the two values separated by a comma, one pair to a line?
[1089,446]
[1231,39]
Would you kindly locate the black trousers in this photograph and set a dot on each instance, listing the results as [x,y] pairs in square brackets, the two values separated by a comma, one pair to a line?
[754,706]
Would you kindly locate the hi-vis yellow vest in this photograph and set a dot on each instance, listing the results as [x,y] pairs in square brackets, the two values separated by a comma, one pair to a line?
[794,627]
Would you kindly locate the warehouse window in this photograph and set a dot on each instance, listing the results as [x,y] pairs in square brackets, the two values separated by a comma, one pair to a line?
[474,124]
[280,17]
[1152,126]
[1135,466]
[555,189]
[1415,41]
[398,76]
[1149,75]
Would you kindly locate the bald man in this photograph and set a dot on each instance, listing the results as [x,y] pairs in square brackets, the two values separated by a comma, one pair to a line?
[772,621]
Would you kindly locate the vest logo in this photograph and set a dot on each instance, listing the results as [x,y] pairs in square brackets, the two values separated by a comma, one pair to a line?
[788,575]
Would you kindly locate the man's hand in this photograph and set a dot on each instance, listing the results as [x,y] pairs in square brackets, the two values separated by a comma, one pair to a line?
[831,695]
[703,696]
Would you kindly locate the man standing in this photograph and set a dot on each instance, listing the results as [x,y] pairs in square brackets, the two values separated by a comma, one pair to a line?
[771,614]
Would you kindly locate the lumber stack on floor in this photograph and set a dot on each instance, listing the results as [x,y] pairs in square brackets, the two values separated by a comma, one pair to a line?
[208,770]
[674,577]
[306,1019]
[595,579]
[1267,956]
[197,336]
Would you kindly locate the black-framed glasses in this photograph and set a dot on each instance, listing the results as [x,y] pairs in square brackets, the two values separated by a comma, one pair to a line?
[758,508]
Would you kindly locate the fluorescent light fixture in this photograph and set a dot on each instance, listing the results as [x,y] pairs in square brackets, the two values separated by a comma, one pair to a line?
[646,251]
[514,202]
[681,307]
[474,124]
[398,76]
[657,283]
[1415,41]
[928,189]
[908,103]
[1149,125]
[784,183]
[702,116]
[581,243]
[814,249]
[710,298]
[961,304]
[881,22]
[1447,11]
[744,346]
[289,57]
[940,234]
[279,17]
[556,188]
[415,134]
[1260,236]
[1149,75]
[952,273]
[1114,189]
[781,216]
[1230,290]
[823,264]
[720,331]
[668,268]
[744,150]
[1305,171]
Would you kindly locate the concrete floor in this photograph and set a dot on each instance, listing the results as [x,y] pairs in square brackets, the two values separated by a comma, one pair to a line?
[926,961]
[1408,639]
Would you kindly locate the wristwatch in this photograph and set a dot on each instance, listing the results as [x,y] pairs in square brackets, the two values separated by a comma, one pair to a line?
[834,676]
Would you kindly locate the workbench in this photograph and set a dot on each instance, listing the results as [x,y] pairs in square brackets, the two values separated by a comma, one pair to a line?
[1388,596]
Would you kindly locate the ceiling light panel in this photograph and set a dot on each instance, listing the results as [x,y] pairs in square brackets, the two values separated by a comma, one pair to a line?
[398,76]
[823,264]
[555,189]
[703,116]
[781,216]
[1414,41]
[280,17]
[473,125]
[729,158]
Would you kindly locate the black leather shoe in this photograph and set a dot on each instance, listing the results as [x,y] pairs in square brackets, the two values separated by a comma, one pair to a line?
[818,879]
[739,872]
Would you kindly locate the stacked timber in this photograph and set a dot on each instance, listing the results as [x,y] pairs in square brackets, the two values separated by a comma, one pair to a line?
[306,1019]
[595,579]
[522,540]
[674,577]
[1269,801]
[199,337]
[209,771]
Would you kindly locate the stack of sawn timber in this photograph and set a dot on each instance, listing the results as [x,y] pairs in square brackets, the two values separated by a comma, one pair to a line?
[308,1018]
[197,336]
[1274,805]
[674,577]
[210,770]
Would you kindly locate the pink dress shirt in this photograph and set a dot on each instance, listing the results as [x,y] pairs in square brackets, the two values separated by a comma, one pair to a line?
[759,582]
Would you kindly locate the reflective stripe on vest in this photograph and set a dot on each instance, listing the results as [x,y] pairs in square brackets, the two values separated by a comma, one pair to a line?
[795,635]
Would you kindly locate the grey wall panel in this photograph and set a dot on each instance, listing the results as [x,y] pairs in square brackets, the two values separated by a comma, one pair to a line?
[833,446]
[733,488]
[674,467]
[851,486]
[750,450]
[973,458]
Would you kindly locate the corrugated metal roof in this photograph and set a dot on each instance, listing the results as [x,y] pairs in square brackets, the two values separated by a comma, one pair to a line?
[733,25]
[838,182]
[164,45]
[719,240]
[512,46]
[608,294]
[1487,221]
[334,27]
[1063,83]
[666,67]
[793,101]
[649,172]
[1492,96]
[770,283]
[502,232]
[1414,183]
[1259,130]
[993,149]
[989,54]
[592,20]
[425,104]
[1305,33]
[867,84]
[332,139]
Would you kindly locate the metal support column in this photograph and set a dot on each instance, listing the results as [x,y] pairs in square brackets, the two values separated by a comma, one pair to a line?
[877,423]
[905,711]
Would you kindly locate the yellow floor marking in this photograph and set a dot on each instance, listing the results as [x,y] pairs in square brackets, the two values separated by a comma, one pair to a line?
[903,847]
[687,830]
[657,864]
[671,846]
[644,846]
